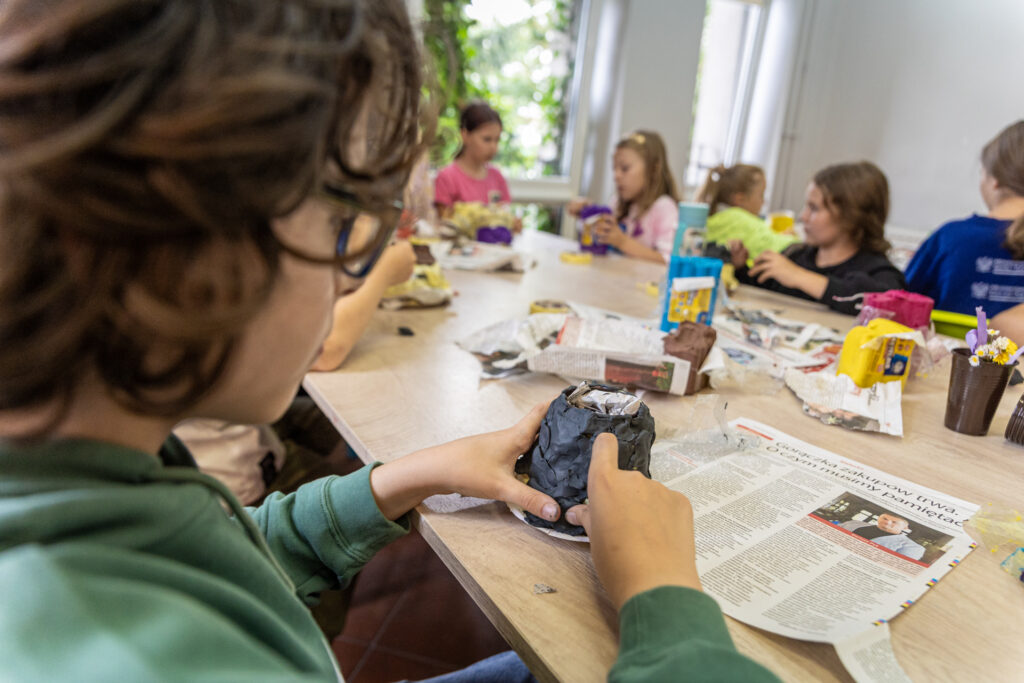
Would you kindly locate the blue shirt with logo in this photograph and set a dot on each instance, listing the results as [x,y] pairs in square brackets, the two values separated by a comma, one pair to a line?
[963,265]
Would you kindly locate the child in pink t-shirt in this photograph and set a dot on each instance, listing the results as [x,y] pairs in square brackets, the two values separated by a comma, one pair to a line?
[470,178]
[646,203]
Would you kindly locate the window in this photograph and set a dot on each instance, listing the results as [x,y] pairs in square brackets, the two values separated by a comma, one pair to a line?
[730,42]
[525,58]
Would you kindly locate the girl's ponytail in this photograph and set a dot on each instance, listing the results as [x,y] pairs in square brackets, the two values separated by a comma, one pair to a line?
[1014,242]
[1003,160]
[723,184]
[711,191]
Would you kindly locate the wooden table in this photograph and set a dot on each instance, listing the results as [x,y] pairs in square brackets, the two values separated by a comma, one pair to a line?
[397,394]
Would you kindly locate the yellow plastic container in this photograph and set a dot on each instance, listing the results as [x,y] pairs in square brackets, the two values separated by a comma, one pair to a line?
[887,361]
[782,221]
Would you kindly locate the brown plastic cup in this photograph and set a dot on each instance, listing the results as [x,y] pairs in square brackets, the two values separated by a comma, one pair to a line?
[1015,427]
[974,393]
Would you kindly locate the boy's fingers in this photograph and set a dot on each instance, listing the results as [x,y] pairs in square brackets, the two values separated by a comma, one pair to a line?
[604,457]
[579,515]
[531,500]
[526,429]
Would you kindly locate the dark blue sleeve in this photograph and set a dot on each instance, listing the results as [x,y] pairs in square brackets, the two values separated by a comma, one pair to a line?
[923,270]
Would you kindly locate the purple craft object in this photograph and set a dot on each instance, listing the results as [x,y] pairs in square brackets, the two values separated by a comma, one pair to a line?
[1015,356]
[595,248]
[978,337]
[593,210]
[494,235]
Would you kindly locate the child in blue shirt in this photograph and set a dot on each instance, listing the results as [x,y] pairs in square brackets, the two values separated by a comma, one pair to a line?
[979,260]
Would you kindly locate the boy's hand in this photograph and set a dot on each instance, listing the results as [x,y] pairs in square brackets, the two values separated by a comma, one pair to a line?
[641,533]
[480,466]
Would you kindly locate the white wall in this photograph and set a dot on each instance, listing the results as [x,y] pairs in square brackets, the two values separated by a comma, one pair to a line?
[916,86]
[656,44]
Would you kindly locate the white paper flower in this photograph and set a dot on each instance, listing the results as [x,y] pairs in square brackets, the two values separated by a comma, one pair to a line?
[974,361]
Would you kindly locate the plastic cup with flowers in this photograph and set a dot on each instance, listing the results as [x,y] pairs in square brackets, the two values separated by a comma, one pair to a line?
[978,378]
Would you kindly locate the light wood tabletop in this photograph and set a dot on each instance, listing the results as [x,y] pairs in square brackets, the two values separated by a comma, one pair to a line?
[397,394]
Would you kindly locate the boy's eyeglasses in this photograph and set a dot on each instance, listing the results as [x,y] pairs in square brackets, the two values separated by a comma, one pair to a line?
[365,230]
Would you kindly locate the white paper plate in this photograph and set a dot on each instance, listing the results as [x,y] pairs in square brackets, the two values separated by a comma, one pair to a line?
[518,512]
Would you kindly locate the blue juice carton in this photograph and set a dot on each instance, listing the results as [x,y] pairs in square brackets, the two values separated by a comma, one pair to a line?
[691,291]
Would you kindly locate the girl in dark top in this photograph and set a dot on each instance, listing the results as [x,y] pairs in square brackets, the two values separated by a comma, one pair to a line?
[844,252]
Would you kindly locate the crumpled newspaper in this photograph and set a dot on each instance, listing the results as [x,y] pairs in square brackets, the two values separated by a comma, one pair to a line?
[478,256]
[504,348]
[837,400]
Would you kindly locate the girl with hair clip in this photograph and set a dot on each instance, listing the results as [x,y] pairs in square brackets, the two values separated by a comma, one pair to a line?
[735,196]
[979,260]
[178,212]
[646,212]
[471,178]
[844,248]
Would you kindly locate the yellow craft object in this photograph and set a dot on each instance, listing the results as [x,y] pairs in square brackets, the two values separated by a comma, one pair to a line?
[728,278]
[549,306]
[468,217]
[427,287]
[577,257]
[887,360]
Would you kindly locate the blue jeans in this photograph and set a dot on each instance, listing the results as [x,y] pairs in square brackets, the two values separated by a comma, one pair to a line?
[502,668]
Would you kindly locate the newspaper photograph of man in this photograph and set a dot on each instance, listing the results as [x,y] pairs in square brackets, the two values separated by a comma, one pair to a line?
[884,528]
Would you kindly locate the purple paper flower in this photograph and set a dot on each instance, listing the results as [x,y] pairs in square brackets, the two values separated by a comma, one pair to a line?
[978,337]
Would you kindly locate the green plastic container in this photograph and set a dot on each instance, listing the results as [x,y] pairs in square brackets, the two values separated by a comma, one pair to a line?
[953,324]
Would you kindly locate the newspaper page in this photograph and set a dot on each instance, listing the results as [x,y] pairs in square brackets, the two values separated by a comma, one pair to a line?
[802,542]
[868,656]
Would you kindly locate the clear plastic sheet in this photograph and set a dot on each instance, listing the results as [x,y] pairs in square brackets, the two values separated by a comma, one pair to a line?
[998,526]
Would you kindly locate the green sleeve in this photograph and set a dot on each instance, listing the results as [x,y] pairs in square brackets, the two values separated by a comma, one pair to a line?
[738,224]
[326,531]
[673,633]
[767,240]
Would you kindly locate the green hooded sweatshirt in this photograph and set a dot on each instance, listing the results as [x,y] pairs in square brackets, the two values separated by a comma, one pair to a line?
[117,566]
